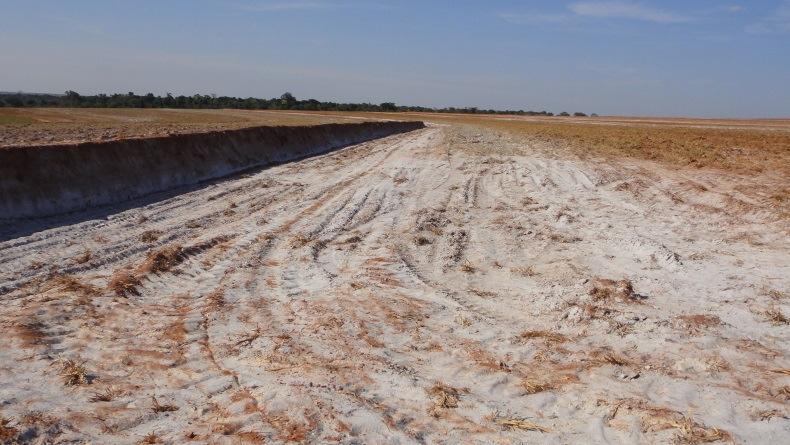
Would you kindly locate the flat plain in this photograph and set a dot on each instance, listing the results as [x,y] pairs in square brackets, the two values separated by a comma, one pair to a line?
[47,126]
[488,279]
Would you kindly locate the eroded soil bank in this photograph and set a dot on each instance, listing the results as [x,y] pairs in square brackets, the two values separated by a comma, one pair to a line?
[48,180]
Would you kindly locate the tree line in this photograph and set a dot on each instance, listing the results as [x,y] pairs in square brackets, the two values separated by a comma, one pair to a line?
[285,102]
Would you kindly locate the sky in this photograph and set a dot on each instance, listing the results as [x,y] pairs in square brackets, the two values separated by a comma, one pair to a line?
[704,58]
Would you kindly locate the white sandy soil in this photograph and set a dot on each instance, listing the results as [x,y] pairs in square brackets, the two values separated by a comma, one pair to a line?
[447,285]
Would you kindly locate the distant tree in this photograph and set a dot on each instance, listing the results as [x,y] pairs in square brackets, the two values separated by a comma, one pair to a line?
[564,114]
[388,106]
[14,101]
[149,100]
[594,115]
[287,100]
[579,114]
[133,100]
[73,98]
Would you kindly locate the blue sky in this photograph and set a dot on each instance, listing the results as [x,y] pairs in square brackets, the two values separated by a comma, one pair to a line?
[693,58]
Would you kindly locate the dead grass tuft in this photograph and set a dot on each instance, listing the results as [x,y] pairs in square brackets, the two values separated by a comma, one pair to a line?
[65,283]
[717,364]
[444,397]
[421,240]
[768,414]
[37,418]
[32,333]
[776,317]
[523,271]
[776,295]
[782,392]
[124,283]
[159,408]
[432,220]
[605,289]
[552,337]
[74,373]
[608,356]
[150,438]
[560,238]
[353,239]
[38,428]
[516,423]
[619,328]
[696,323]
[463,321]
[701,320]
[7,432]
[755,347]
[216,299]
[592,311]
[248,339]
[534,386]
[467,267]
[291,430]
[252,437]
[149,236]
[527,201]
[162,260]
[483,293]
[300,240]
[68,283]
[653,418]
[84,258]
[691,432]
[550,379]
[108,395]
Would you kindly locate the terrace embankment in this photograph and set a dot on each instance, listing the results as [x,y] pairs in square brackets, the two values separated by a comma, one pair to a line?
[48,180]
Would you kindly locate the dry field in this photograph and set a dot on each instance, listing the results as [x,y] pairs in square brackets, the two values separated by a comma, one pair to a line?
[480,281]
[746,146]
[40,126]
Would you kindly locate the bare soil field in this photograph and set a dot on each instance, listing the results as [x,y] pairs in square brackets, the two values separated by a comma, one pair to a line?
[39,126]
[746,146]
[482,281]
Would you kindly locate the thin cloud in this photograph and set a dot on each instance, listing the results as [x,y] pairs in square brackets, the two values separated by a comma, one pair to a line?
[534,18]
[307,5]
[626,10]
[777,23]
[288,6]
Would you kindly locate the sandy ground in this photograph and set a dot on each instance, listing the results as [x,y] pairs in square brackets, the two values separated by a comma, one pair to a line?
[441,286]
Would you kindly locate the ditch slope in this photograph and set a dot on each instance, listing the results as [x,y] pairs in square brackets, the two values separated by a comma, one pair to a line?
[46,180]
